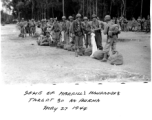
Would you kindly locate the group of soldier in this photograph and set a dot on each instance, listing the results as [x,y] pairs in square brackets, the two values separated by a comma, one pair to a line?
[77,32]
[140,25]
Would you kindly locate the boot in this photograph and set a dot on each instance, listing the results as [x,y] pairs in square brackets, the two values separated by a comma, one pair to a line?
[105,58]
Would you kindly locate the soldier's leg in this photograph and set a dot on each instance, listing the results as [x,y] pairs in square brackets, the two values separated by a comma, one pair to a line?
[86,40]
[113,47]
[76,45]
[106,50]
[98,39]
[89,40]
[80,44]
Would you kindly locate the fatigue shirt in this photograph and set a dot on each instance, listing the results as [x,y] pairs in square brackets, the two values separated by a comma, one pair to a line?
[78,28]
[56,27]
[95,24]
[87,28]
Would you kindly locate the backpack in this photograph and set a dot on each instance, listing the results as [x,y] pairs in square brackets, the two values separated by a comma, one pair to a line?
[88,51]
[99,54]
[116,59]
[113,28]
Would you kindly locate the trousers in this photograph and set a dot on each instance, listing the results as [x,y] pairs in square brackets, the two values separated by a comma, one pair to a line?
[98,39]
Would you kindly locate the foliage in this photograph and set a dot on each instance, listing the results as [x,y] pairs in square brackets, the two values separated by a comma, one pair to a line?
[39,9]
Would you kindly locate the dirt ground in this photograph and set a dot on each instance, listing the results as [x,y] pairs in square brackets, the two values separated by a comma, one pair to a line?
[23,61]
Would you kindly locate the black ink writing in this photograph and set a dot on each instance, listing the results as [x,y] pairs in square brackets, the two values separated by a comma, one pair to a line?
[40,100]
[89,100]
[33,93]
[103,93]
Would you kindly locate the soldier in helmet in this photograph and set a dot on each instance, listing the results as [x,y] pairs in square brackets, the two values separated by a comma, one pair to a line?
[64,29]
[45,39]
[22,27]
[87,31]
[70,29]
[111,30]
[96,28]
[57,30]
[32,27]
[148,24]
[78,32]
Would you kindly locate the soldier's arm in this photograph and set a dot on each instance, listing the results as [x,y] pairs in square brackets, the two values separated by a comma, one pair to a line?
[105,29]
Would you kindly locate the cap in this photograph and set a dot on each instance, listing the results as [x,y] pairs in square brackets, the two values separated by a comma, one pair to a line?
[94,16]
[107,18]
[78,15]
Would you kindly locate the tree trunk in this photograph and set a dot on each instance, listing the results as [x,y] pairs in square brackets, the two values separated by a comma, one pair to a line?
[110,7]
[62,7]
[90,9]
[141,8]
[93,6]
[83,7]
[52,12]
[87,8]
[97,7]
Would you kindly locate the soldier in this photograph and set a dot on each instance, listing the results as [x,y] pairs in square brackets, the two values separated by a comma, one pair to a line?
[79,34]
[70,29]
[45,40]
[87,30]
[139,21]
[133,24]
[22,26]
[32,27]
[96,28]
[148,24]
[64,29]
[57,31]
[43,27]
[111,30]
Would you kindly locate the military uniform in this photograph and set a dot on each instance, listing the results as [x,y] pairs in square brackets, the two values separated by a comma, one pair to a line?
[70,30]
[64,29]
[57,31]
[43,27]
[87,31]
[22,27]
[148,24]
[112,37]
[98,37]
[32,27]
[79,34]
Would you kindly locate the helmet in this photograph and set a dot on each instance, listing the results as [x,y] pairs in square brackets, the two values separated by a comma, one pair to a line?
[63,17]
[78,15]
[85,18]
[107,18]
[70,17]
[94,16]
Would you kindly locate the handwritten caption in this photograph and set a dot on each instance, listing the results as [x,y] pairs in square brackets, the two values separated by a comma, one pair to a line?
[76,98]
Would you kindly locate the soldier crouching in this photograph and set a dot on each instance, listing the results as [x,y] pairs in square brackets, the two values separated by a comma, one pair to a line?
[44,40]
[78,33]
[112,31]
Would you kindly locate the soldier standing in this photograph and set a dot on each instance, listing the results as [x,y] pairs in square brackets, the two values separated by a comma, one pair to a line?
[70,29]
[148,24]
[57,30]
[87,30]
[64,29]
[112,36]
[96,28]
[79,34]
